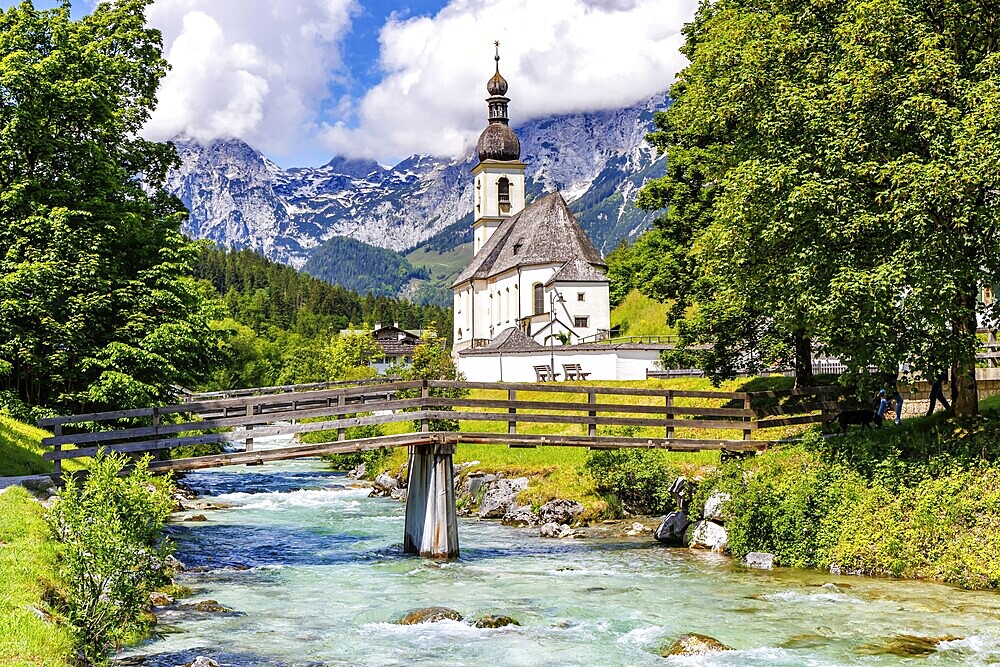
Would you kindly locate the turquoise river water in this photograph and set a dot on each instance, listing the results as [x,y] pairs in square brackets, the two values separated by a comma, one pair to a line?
[326,577]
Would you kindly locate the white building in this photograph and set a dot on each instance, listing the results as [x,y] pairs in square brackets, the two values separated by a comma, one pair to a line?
[533,268]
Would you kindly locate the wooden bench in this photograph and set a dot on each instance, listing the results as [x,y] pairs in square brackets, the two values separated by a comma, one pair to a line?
[574,372]
[545,374]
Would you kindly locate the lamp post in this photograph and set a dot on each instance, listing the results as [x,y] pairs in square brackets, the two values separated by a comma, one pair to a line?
[554,298]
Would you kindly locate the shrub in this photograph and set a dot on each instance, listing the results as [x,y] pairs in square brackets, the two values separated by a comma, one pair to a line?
[112,555]
[374,459]
[633,480]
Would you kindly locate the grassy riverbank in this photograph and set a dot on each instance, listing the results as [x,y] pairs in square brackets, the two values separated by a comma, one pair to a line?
[27,574]
[918,501]
[21,450]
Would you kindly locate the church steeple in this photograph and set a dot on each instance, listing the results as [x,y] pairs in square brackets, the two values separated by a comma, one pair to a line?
[500,172]
[498,141]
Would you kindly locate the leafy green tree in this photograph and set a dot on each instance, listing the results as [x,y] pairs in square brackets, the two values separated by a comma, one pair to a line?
[431,361]
[837,164]
[349,356]
[97,308]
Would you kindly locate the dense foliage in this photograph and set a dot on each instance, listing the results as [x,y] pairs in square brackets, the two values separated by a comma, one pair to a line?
[111,551]
[279,326]
[97,308]
[832,165]
[361,267]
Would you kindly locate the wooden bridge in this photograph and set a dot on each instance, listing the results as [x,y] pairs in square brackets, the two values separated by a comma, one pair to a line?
[516,415]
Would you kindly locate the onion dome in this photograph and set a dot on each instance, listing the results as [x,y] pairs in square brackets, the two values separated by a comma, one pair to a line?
[498,141]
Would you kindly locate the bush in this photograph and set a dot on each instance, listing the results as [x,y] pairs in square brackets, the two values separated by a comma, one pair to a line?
[111,555]
[633,480]
[374,459]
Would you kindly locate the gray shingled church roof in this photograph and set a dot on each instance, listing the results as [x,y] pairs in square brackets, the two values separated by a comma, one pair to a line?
[543,233]
[512,339]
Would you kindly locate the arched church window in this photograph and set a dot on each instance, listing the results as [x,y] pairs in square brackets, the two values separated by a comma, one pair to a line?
[503,194]
[539,299]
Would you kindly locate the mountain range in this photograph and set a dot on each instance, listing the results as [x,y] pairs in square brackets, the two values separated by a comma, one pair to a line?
[313,218]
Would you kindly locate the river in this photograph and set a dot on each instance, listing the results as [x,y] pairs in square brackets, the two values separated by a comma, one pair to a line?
[327,576]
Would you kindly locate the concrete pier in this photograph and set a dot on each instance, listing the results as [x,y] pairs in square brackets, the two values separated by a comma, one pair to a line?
[431,518]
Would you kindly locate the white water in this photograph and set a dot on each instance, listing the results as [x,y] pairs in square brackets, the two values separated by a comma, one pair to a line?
[327,577]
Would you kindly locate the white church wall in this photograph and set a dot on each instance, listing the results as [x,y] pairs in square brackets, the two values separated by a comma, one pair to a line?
[594,306]
[607,364]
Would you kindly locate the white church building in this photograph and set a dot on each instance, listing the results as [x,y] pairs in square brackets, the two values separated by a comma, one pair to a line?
[535,295]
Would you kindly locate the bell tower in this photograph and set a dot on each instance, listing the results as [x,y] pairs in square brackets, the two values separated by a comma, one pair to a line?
[499,176]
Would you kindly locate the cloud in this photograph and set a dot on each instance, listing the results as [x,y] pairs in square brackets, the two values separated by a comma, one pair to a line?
[559,56]
[255,69]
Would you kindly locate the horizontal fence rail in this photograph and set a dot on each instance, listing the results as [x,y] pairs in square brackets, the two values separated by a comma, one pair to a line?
[582,416]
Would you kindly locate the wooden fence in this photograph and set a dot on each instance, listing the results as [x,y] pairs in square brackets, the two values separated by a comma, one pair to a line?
[519,415]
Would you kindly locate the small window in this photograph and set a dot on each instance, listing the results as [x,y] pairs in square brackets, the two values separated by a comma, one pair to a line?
[580,322]
[580,296]
[459,330]
[539,299]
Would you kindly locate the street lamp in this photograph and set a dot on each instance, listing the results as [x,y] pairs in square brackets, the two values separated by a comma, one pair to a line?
[554,298]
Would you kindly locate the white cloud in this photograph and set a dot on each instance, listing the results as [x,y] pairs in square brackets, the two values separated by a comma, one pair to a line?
[558,56]
[256,69]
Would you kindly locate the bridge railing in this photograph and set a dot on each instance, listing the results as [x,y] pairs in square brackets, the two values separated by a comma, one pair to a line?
[518,414]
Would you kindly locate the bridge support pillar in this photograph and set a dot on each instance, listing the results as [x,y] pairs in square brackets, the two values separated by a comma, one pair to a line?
[431,518]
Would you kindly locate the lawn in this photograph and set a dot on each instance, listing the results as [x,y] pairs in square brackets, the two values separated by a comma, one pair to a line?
[27,573]
[21,450]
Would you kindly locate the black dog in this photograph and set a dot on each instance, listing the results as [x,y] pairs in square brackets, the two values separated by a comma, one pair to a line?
[863,418]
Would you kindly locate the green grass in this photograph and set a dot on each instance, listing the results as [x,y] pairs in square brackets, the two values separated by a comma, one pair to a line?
[27,574]
[21,450]
[639,315]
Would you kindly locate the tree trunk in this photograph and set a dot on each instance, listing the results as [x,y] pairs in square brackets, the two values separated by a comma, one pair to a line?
[803,360]
[964,392]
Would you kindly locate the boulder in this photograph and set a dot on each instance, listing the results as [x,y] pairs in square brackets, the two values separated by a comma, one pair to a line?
[671,529]
[760,560]
[211,607]
[174,564]
[520,516]
[560,511]
[715,506]
[202,661]
[384,484]
[195,517]
[706,535]
[358,472]
[501,497]
[694,644]
[552,529]
[158,599]
[398,494]
[493,621]
[429,615]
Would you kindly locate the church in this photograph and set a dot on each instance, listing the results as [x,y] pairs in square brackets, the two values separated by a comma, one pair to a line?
[533,304]
[534,275]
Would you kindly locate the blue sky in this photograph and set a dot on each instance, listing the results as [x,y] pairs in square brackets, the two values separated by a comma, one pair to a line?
[304,80]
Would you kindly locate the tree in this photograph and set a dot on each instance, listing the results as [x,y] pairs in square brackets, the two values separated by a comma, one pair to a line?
[97,308]
[847,156]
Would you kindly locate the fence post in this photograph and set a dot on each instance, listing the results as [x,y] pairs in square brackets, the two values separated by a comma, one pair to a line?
[592,424]
[57,431]
[249,442]
[425,393]
[512,425]
[670,414]
[341,432]
[747,433]
[161,454]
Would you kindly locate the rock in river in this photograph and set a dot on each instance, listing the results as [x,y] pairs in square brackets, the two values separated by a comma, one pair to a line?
[520,516]
[202,661]
[560,511]
[493,621]
[760,560]
[693,644]
[553,529]
[671,530]
[211,606]
[706,535]
[501,496]
[429,615]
